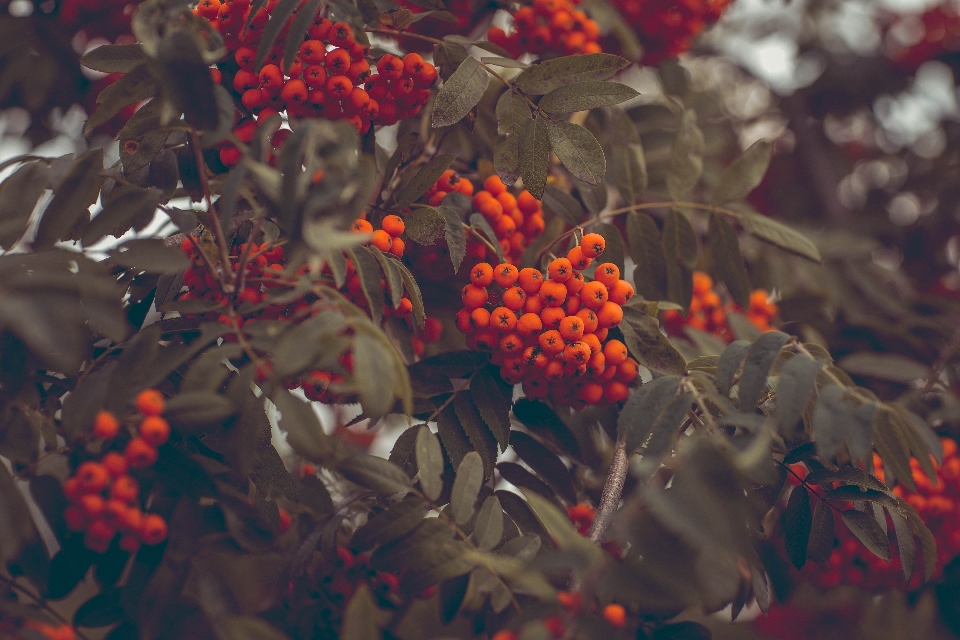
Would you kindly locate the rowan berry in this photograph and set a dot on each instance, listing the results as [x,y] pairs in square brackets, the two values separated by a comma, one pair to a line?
[627,371]
[577,259]
[621,292]
[284,523]
[597,363]
[481,275]
[463,321]
[361,226]
[494,185]
[552,316]
[480,319]
[506,275]
[92,504]
[294,92]
[530,280]
[432,330]
[560,270]
[487,340]
[337,62]
[124,489]
[503,319]
[270,77]
[592,245]
[607,273]
[554,371]
[75,518]
[339,86]
[341,34]
[140,454]
[153,530]
[576,353]
[154,430]
[533,304]
[615,391]
[504,635]
[393,225]
[615,615]
[609,314]
[511,343]
[575,283]
[390,66]
[92,477]
[105,425]
[397,247]
[473,296]
[551,342]
[505,227]
[381,240]
[114,463]
[552,293]
[593,295]
[615,352]
[590,392]
[571,328]
[405,308]
[98,536]
[426,77]
[149,402]
[514,298]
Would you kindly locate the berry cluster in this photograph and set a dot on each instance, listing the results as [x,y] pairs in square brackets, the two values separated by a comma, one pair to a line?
[97,18]
[104,497]
[548,334]
[939,507]
[941,34]
[548,28]
[12,626]
[709,313]
[667,28]
[515,219]
[330,77]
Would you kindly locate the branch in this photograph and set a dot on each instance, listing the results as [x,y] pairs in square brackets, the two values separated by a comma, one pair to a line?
[612,490]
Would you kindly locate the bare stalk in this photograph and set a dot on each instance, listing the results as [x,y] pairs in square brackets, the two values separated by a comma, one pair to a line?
[612,490]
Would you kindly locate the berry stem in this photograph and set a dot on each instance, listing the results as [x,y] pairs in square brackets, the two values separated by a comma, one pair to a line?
[226,275]
[612,490]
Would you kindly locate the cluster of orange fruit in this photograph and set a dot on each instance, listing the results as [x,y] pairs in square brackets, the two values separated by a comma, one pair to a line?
[548,333]
[104,497]
[667,29]
[709,313]
[549,27]
[12,627]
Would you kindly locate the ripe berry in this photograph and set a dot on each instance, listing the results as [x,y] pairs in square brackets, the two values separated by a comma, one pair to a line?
[140,454]
[92,477]
[153,530]
[615,615]
[393,225]
[592,245]
[105,425]
[390,66]
[607,273]
[154,430]
[149,402]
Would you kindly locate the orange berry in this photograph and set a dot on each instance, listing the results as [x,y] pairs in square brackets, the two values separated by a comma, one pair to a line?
[482,274]
[92,477]
[527,203]
[503,320]
[432,329]
[607,273]
[114,463]
[473,296]
[592,245]
[577,259]
[615,352]
[552,293]
[105,425]
[570,599]
[627,371]
[610,314]
[124,489]
[139,453]
[463,321]
[615,391]
[593,295]
[284,523]
[92,505]
[615,615]
[480,319]
[571,328]
[361,226]
[505,227]
[601,334]
[560,270]
[551,342]
[590,392]
[621,292]
[513,298]
[702,283]
[494,185]
[381,240]
[553,371]
[150,402]
[487,340]
[573,304]
[511,343]
[492,210]
[393,225]
[576,353]
[397,247]
[507,201]
[551,317]
[529,325]
[506,275]
[154,430]
[597,363]
[590,321]
[530,279]
[153,530]
[533,305]
[575,284]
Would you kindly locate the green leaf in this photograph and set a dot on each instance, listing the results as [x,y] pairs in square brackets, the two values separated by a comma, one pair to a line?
[868,531]
[884,366]
[645,341]
[526,481]
[375,473]
[629,171]
[820,546]
[101,610]
[125,204]
[150,255]
[563,205]
[548,75]
[686,158]
[727,262]
[466,486]
[680,255]
[831,419]
[928,544]
[139,84]
[460,93]
[646,249]
[512,113]
[614,251]
[578,150]
[454,231]
[847,475]
[594,196]
[448,56]
[386,526]
[797,522]
[905,544]
[194,409]
[744,174]
[506,158]
[19,194]
[424,225]
[368,270]
[413,291]
[584,96]
[425,178]
[541,420]
[534,155]
[894,451]
[71,199]
[643,407]
[780,235]
[361,617]
[493,405]
[854,493]
[546,464]
[114,58]
[429,463]
[488,528]
[729,363]
[760,358]
[375,372]
[477,221]
[304,432]
[794,388]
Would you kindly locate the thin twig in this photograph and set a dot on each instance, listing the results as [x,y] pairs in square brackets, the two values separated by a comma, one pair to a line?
[612,490]
[227,275]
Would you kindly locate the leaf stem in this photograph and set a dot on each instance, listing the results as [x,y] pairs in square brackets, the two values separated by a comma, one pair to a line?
[612,490]
[227,275]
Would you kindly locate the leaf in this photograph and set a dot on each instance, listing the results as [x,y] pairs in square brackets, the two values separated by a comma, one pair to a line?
[614,251]
[19,194]
[680,255]
[584,96]
[831,419]
[388,525]
[794,387]
[894,451]
[488,528]
[760,358]
[523,515]
[139,84]
[452,209]
[448,56]
[71,199]
[534,155]
[729,363]
[548,75]
[376,372]
[526,481]
[493,405]
[198,409]
[820,546]
[541,419]
[594,196]
[578,150]
[561,529]
[780,235]
[429,463]
[686,157]
[150,255]
[101,610]
[16,529]
[375,473]
[299,25]
[368,270]
[506,158]
[650,274]
[452,592]
[424,225]
[868,531]
[460,93]
[360,619]
[466,486]
[797,521]
[906,545]
[847,475]
[413,291]
[114,58]
[643,407]
[126,203]
[425,178]
[477,221]
[512,113]
[727,262]
[481,439]
[884,366]
[546,464]
[744,174]
[648,344]
[563,205]
[855,494]
[304,432]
